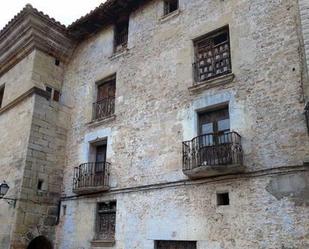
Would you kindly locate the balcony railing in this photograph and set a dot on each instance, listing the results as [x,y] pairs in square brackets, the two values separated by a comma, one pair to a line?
[90,177]
[103,108]
[212,150]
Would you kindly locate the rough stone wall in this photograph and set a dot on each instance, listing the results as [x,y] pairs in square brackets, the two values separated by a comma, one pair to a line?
[38,210]
[32,143]
[37,69]
[18,80]
[304,19]
[14,129]
[254,219]
[155,112]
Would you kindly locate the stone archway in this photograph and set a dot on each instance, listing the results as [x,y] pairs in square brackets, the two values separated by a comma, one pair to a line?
[40,243]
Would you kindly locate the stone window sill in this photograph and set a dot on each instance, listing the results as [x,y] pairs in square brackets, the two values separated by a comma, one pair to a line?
[221,80]
[98,122]
[120,53]
[169,16]
[102,243]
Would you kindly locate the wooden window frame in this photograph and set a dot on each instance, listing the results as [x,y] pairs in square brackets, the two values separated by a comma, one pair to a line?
[209,111]
[55,94]
[104,107]
[209,44]
[107,212]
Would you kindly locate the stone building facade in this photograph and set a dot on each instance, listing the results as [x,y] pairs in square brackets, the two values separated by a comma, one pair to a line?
[157,124]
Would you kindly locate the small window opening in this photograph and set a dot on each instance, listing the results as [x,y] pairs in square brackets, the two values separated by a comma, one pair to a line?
[170,6]
[49,90]
[56,96]
[223,199]
[57,62]
[40,184]
[121,35]
[1,95]
[64,210]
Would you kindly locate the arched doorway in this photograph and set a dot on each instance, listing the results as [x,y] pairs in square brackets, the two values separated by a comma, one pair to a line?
[40,243]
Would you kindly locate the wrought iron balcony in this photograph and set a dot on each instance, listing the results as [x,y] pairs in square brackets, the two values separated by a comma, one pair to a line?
[103,108]
[212,154]
[91,177]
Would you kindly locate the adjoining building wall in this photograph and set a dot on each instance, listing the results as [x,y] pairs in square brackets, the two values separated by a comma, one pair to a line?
[13,150]
[37,213]
[155,112]
[32,150]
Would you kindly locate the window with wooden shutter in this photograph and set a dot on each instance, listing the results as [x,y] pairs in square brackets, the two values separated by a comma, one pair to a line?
[106,221]
[212,55]
[105,104]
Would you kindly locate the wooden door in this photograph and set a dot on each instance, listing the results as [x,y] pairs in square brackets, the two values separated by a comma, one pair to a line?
[214,141]
[106,90]
[101,153]
[176,245]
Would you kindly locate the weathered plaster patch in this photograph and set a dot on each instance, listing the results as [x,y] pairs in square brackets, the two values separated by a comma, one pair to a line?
[293,187]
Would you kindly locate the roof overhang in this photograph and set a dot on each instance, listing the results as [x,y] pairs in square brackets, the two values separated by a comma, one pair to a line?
[29,30]
[106,14]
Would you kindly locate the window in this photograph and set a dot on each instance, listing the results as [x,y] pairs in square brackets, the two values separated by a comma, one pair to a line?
[165,244]
[1,95]
[223,199]
[106,220]
[215,139]
[54,94]
[170,6]
[212,55]
[40,184]
[216,122]
[121,35]
[105,104]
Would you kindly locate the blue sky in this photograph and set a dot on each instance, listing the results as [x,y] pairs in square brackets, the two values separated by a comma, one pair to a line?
[65,11]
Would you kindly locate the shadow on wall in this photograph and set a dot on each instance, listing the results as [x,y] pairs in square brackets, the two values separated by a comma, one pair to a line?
[40,243]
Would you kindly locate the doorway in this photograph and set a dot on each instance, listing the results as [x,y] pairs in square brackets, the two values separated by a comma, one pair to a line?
[40,243]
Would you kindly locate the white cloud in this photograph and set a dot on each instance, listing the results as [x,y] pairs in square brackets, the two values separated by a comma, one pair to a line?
[64,11]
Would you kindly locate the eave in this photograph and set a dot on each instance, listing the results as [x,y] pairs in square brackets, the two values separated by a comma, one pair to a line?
[29,30]
[104,15]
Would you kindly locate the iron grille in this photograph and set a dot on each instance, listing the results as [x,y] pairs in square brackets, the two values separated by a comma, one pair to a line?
[213,56]
[212,150]
[106,220]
